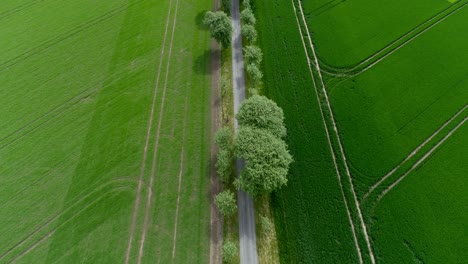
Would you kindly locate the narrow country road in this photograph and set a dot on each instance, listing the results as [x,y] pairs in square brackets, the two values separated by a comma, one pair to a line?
[248,240]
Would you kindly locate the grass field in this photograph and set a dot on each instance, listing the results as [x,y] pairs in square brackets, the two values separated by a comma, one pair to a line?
[395,75]
[78,79]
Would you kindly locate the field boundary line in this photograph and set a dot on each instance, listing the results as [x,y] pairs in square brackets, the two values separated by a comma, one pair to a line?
[361,218]
[48,235]
[389,188]
[148,136]
[356,243]
[61,213]
[345,72]
[414,152]
[181,168]
[156,145]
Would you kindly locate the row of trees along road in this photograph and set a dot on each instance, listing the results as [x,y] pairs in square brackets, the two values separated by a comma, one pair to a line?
[259,140]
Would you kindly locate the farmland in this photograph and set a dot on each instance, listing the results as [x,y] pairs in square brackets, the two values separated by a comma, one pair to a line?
[105,112]
[393,82]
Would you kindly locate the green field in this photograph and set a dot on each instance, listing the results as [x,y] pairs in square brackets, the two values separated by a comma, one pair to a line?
[395,74]
[77,84]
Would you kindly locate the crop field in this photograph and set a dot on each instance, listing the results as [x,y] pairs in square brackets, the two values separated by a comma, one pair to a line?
[378,92]
[104,135]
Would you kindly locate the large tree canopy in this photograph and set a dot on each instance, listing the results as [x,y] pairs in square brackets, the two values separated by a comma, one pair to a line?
[267,160]
[220,26]
[261,112]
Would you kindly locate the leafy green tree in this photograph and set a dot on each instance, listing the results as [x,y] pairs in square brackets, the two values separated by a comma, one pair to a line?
[248,17]
[224,138]
[254,72]
[229,251]
[220,27]
[261,112]
[267,161]
[249,32]
[253,54]
[226,202]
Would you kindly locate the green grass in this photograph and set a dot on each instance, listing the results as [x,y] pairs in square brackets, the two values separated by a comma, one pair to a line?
[382,115]
[77,81]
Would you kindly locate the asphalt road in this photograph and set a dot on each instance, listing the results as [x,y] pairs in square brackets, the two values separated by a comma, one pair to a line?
[248,240]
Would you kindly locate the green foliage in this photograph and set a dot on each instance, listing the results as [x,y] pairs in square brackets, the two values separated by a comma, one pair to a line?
[266,224]
[224,138]
[230,251]
[220,27]
[246,4]
[263,113]
[253,54]
[226,202]
[224,162]
[248,17]
[254,72]
[250,33]
[267,161]
[226,6]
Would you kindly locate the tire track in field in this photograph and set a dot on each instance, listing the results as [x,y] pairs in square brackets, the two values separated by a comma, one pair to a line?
[49,234]
[337,134]
[389,188]
[348,212]
[62,37]
[180,181]
[156,145]
[414,152]
[19,9]
[46,117]
[66,210]
[148,135]
[346,72]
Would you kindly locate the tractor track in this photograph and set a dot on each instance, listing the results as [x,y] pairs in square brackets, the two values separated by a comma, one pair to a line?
[62,37]
[69,209]
[421,160]
[156,145]
[414,152]
[351,72]
[348,212]
[148,135]
[337,134]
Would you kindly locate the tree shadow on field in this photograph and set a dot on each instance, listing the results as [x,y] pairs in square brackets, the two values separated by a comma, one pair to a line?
[202,64]
[199,20]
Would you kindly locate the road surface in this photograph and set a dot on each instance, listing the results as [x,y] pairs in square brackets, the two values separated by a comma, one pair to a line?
[248,240]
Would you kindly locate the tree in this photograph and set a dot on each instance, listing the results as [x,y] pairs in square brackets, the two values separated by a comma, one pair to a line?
[226,202]
[224,138]
[261,112]
[246,4]
[220,27]
[254,72]
[253,54]
[229,251]
[248,17]
[249,32]
[267,161]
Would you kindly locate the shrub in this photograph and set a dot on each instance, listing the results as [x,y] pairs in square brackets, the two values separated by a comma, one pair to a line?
[226,202]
